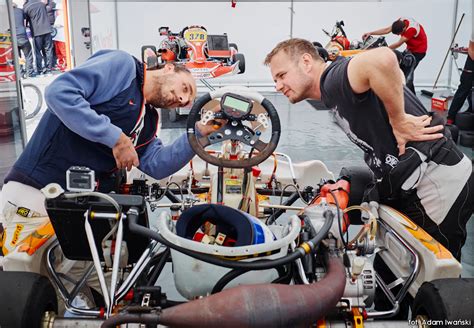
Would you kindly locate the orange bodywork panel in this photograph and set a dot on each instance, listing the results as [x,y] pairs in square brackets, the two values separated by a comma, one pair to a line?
[34,241]
[425,238]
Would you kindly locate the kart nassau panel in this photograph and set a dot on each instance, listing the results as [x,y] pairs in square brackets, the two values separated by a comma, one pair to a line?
[209,69]
[308,173]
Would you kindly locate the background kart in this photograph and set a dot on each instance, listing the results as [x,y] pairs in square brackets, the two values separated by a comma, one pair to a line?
[339,44]
[205,55]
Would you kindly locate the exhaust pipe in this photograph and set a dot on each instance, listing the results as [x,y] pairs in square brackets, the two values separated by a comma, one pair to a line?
[265,305]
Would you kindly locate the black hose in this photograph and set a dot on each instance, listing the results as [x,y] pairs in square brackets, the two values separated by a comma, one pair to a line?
[309,224]
[231,275]
[132,216]
[225,279]
[339,218]
[329,216]
[158,268]
[289,201]
[143,318]
[170,303]
[285,276]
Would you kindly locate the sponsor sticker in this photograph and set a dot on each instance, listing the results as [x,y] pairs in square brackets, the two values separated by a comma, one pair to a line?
[16,234]
[23,211]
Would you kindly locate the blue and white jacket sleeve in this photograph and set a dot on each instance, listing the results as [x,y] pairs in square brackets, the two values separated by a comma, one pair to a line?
[99,79]
[161,161]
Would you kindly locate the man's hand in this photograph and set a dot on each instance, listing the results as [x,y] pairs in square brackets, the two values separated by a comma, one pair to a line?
[124,153]
[212,125]
[414,128]
[365,36]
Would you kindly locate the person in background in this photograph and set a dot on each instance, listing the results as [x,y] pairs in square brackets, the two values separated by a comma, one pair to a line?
[38,21]
[466,86]
[24,44]
[412,34]
[52,13]
[60,41]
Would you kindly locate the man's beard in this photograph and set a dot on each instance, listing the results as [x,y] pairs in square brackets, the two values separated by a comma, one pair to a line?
[305,88]
[296,98]
[158,98]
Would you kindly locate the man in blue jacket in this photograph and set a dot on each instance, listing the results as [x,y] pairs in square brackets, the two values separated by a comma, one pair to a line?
[101,115]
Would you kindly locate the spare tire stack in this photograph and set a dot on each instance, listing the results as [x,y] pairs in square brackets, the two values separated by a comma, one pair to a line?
[465,122]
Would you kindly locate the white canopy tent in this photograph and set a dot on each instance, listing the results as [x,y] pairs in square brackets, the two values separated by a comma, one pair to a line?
[256,26]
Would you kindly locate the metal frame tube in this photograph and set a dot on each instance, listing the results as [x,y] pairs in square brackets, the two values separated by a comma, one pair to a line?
[115,266]
[60,286]
[96,259]
[81,282]
[396,300]
[136,271]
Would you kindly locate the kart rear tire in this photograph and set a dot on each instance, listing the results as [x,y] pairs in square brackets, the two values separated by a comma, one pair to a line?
[25,298]
[442,300]
[233,45]
[359,177]
[467,139]
[465,121]
[241,59]
[454,132]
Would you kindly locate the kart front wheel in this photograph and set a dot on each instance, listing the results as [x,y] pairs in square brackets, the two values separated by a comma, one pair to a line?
[241,59]
[26,298]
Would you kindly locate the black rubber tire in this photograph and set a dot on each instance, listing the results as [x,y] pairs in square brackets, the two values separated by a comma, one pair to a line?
[465,121]
[241,59]
[454,130]
[359,177]
[445,299]
[317,44]
[467,139]
[25,297]
[36,99]
[233,45]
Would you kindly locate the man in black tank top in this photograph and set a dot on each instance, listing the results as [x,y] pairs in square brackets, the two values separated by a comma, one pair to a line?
[417,166]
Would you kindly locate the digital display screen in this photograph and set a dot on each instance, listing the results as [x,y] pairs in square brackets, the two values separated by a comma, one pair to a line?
[240,105]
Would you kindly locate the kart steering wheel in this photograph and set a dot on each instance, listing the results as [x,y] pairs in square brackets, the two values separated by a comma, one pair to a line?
[234,129]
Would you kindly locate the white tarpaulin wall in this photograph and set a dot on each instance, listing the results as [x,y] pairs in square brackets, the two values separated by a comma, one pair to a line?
[257,26]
